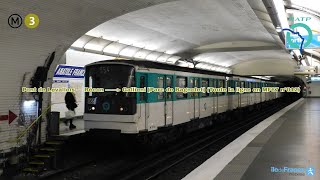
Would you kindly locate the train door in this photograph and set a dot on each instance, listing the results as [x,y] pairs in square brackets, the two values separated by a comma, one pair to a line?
[237,84]
[197,98]
[168,103]
[144,112]
[241,94]
[230,96]
[215,97]
[194,82]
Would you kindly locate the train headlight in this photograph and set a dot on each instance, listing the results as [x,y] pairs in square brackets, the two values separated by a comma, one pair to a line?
[121,108]
[93,108]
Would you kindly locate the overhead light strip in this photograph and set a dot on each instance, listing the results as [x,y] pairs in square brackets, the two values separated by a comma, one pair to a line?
[117,49]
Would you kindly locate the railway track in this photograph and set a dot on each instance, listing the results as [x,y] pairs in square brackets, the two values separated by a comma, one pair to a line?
[156,164]
[155,168]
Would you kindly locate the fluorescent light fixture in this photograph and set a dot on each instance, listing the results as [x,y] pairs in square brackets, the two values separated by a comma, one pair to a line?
[82,41]
[28,103]
[190,65]
[278,29]
[114,48]
[163,57]
[102,46]
[173,59]
[153,56]
[185,64]
[170,52]
[205,66]
[97,44]
[142,54]
[129,51]
[151,47]
[126,41]
[199,65]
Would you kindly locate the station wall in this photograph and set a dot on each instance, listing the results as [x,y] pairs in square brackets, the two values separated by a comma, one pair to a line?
[23,105]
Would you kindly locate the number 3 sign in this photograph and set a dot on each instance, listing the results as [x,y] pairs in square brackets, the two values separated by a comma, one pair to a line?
[31,21]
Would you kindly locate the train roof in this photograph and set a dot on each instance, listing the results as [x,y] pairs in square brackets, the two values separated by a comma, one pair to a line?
[158,65]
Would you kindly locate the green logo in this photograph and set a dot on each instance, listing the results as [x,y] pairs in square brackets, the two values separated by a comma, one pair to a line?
[308,39]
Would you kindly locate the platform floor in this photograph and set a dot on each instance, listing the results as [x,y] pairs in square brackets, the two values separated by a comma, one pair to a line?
[65,131]
[287,142]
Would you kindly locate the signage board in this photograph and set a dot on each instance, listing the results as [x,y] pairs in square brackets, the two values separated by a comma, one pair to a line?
[66,71]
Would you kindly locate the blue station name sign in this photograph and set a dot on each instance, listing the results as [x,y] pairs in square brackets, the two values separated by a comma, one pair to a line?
[66,71]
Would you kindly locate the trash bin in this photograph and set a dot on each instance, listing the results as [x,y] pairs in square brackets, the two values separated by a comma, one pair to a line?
[53,125]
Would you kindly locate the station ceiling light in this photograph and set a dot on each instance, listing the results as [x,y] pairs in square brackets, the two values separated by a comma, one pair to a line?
[97,45]
[213,67]
[185,64]
[120,49]
[153,56]
[142,54]
[114,48]
[81,42]
[129,51]
[173,59]
[278,29]
[261,77]
[163,57]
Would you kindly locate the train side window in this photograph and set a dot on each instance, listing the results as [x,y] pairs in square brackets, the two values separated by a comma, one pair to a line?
[242,84]
[205,83]
[221,84]
[160,85]
[231,84]
[142,85]
[196,85]
[168,84]
[212,85]
[181,83]
[191,84]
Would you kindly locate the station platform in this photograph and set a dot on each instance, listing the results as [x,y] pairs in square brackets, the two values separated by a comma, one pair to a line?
[284,146]
[65,131]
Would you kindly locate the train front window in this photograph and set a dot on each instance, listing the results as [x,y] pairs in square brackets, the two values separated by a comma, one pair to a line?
[110,77]
[103,83]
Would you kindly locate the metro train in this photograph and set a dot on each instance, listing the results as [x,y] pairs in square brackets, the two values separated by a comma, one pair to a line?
[142,113]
